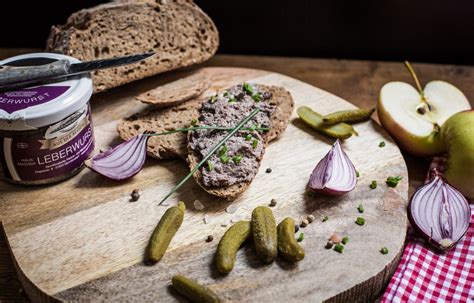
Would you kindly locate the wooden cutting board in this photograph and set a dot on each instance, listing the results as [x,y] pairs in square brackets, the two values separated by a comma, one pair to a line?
[83,239]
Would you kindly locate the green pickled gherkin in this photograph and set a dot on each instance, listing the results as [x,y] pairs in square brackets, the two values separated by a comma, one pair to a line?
[193,291]
[164,232]
[264,232]
[230,244]
[348,116]
[288,247]
[338,131]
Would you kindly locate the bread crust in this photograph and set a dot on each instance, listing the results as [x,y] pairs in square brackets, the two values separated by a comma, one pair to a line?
[178,31]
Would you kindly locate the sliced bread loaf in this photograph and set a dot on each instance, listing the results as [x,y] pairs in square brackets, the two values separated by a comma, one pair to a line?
[178,31]
[280,116]
[176,92]
[161,120]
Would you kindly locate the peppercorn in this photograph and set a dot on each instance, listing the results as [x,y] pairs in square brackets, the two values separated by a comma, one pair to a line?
[135,195]
[329,244]
[310,218]
[273,202]
[209,238]
[268,170]
[297,227]
[304,223]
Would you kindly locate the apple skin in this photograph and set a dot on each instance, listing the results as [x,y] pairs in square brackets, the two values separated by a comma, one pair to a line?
[458,136]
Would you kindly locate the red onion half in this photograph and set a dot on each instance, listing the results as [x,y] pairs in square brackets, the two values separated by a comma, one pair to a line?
[439,212]
[335,174]
[123,161]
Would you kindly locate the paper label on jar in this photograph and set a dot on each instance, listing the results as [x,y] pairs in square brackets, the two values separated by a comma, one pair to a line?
[14,101]
[61,149]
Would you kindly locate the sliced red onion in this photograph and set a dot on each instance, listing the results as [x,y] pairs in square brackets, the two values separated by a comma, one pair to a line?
[439,212]
[123,161]
[335,174]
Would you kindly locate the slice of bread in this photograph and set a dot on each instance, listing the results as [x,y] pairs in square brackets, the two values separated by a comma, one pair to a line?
[161,120]
[176,92]
[280,117]
[178,31]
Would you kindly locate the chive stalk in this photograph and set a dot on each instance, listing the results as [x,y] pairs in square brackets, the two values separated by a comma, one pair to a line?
[223,128]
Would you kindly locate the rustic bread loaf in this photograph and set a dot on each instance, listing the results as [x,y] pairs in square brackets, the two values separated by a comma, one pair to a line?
[280,117]
[176,92]
[178,31]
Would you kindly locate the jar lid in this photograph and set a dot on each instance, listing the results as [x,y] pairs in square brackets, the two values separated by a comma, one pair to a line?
[34,107]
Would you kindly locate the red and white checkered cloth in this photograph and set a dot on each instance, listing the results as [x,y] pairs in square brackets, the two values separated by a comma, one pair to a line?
[426,275]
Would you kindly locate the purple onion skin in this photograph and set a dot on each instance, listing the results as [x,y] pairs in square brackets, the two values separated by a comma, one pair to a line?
[122,161]
[320,178]
[411,217]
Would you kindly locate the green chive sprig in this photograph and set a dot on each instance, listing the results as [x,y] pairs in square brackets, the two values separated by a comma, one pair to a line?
[180,130]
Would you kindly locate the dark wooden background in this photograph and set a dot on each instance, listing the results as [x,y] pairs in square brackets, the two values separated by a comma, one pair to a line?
[421,30]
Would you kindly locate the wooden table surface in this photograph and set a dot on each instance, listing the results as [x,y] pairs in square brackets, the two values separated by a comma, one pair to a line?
[356,81]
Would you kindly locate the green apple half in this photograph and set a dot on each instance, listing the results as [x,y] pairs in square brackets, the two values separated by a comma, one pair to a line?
[414,119]
[458,135]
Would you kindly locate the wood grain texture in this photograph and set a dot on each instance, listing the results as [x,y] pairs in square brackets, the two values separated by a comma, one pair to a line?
[83,240]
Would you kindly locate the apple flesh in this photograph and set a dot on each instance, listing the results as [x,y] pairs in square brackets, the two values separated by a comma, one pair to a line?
[414,120]
[458,136]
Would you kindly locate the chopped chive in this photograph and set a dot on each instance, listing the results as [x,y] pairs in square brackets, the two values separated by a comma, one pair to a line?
[382,144]
[254,143]
[393,181]
[345,240]
[223,150]
[357,174]
[237,159]
[360,208]
[339,248]
[224,159]
[211,152]
[248,88]
[360,221]
[248,137]
[300,238]
[213,99]
[226,93]
[232,101]
[253,127]
[325,218]
[373,185]
[384,250]
[210,165]
[257,97]
[194,122]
